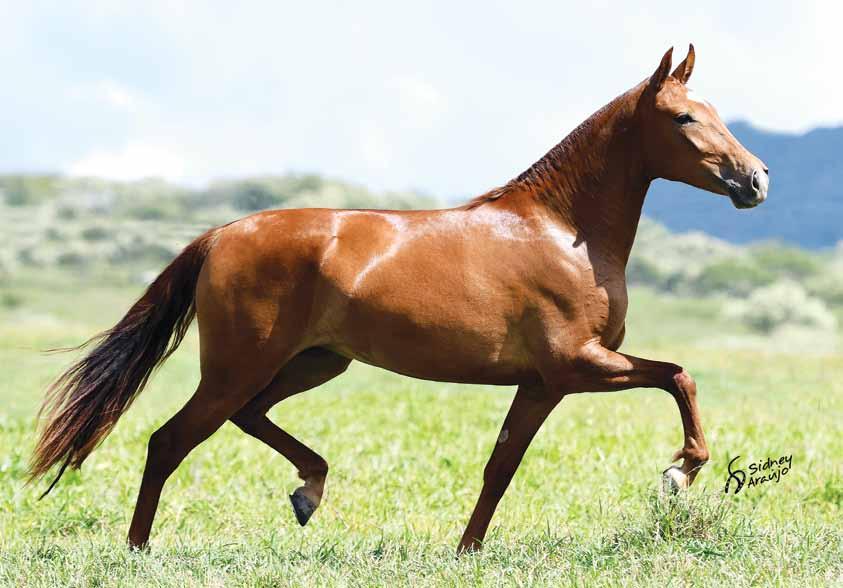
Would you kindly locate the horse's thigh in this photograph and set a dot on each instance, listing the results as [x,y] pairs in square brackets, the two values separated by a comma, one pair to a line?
[307,370]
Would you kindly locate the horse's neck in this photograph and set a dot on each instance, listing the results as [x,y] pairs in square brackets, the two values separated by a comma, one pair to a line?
[594,181]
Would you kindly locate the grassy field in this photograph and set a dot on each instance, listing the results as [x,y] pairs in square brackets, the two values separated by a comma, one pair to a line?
[406,465]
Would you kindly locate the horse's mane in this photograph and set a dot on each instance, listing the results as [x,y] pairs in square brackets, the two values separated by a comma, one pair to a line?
[560,157]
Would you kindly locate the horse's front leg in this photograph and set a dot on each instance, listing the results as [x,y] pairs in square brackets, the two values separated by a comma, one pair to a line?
[529,410]
[598,369]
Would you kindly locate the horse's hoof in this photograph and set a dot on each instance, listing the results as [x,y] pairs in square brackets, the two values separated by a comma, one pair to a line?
[674,480]
[302,506]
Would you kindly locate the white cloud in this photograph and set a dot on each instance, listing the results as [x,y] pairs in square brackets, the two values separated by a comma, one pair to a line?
[133,161]
[421,104]
[108,93]
[116,96]
[374,146]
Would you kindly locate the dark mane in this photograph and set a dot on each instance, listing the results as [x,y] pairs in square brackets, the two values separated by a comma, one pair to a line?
[559,157]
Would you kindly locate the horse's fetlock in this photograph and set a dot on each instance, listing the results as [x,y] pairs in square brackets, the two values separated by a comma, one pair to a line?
[317,470]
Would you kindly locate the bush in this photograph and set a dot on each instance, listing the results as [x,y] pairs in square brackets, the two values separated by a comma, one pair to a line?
[28,190]
[67,213]
[252,196]
[147,212]
[304,183]
[782,303]
[828,287]
[640,271]
[53,234]
[786,261]
[72,259]
[734,276]
[33,257]
[95,234]
[10,300]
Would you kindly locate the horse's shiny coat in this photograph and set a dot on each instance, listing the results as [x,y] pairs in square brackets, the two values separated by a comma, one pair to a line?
[523,286]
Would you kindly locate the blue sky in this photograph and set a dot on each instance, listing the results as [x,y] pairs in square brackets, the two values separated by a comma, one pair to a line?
[450,98]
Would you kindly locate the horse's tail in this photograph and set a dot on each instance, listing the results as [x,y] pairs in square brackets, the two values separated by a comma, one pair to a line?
[84,403]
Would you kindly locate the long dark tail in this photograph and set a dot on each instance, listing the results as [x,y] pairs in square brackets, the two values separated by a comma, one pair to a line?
[83,405]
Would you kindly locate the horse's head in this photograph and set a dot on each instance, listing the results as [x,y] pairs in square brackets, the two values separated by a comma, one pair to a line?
[685,140]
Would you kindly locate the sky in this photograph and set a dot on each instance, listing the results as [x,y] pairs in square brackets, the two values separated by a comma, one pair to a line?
[449,98]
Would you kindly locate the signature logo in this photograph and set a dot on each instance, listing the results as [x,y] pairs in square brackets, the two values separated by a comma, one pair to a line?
[765,470]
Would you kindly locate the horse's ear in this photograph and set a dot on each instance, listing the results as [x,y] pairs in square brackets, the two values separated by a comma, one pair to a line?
[661,73]
[684,69]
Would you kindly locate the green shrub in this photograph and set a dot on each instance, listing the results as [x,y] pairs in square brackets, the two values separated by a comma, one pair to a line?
[828,287]
[53,234]
[735,276]
[72,259]
[95,234]
[298,183]
[640,271]
[67,213]
[779,304]
[32,256]
[785,261]
[10,300]
[28,190]
[251,196]
[147,212]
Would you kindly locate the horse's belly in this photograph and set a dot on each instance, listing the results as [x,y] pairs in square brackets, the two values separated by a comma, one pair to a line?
[445,346]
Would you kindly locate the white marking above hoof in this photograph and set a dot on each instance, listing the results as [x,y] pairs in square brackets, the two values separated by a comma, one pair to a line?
[674,480]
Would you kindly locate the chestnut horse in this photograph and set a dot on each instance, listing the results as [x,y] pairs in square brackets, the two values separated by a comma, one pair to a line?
[522,286]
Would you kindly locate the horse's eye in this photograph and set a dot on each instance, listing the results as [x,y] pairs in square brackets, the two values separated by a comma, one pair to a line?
[683,119]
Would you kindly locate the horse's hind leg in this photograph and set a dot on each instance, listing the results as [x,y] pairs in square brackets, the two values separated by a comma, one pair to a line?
[220,394]
[307,370]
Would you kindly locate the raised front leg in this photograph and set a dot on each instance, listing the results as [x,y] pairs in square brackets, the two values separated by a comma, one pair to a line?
[598,369]
[528,411]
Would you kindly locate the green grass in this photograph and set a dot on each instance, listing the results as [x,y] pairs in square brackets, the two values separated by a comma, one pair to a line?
[406,465]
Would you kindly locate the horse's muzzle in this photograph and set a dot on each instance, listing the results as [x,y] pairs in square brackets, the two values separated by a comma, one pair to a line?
[753,193]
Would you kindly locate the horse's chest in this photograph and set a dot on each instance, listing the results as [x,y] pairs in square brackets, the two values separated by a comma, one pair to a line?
[591,296]
[604,309]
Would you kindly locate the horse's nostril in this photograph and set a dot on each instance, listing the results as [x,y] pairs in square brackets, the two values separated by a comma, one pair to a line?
[766,171]
[755,185]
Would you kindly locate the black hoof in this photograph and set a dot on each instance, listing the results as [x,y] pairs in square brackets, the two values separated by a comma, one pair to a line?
[302,506]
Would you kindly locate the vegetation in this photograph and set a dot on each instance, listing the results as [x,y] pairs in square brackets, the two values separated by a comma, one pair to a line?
[407,456]
[766,285]
[406,466]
